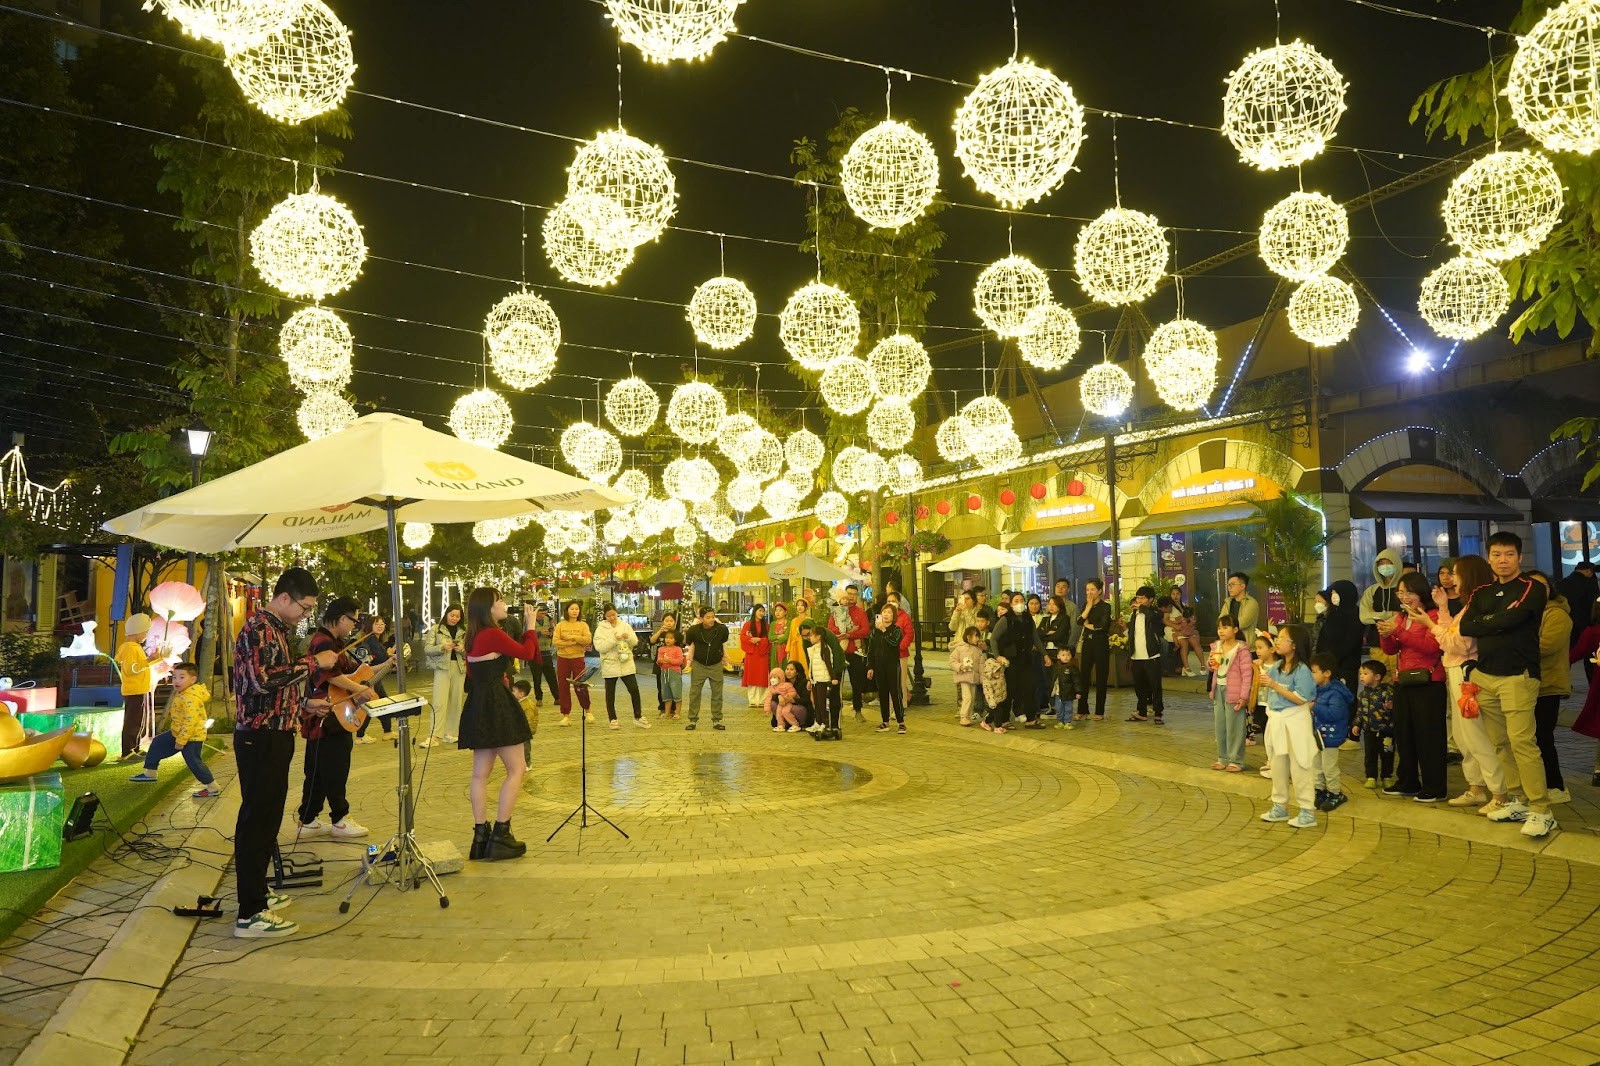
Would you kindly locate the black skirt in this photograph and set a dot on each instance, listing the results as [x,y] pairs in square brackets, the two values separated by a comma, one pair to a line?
[490,714]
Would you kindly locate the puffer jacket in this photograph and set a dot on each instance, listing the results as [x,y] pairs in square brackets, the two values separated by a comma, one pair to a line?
[615,644]
[1555,639]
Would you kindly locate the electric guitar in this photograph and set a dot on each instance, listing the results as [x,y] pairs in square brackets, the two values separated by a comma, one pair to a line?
[348,710]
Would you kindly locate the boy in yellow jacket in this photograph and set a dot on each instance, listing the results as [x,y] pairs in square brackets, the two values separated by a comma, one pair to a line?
[186,731]
[139,676]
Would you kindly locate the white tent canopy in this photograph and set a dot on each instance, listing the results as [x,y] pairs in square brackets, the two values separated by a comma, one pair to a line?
[348,482]
[807,567]
[982,557]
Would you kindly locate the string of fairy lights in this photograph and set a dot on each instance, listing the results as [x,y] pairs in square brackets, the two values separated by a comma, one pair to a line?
[1018,132]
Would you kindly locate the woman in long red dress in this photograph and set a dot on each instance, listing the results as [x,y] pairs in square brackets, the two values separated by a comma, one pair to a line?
[756,640]
[492,723]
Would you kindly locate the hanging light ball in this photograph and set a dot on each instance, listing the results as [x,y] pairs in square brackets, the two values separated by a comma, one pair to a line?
[481,417]
[1554,81]
[491,531]
[652,517]
[316,346]
[983,416]
[1179,334]
[571,249]
[1464,297]
[571,440]
[1504,205]
[685,536]
[905,474]
[522,333]
[804,450]
[667,30]
[713,505]
[632,173]
[846,385]
[763,455]
[581,537]
[674,512]
[780,500]
[596,454]
[1106,390]
[723,313]
[1184,378]
[635,483]
[951,439]
[233,24]
[871,472]
[844,469]
[1050,337]
[1323,311]
[698,481]
[819,324]
[416,535]
[1018,133]
[719,528]
[1282,105]
[695,411]
[323,413]
[1006,291]
[1303,235]
[999,449]
[1121,256]
[309,246]
[616,530]
[890,424]
[744,493]
[890,175]
[301,69]
[900,367]
[555,540]
[802,480]
[832,508]
[632,406]
[731,435]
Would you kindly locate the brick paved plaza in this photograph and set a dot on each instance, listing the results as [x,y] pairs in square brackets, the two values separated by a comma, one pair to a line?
[947,896]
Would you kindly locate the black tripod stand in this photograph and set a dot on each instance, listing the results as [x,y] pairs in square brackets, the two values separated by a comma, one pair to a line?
[583,810]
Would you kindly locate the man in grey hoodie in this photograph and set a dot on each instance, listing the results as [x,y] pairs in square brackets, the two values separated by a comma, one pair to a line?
[1380,600]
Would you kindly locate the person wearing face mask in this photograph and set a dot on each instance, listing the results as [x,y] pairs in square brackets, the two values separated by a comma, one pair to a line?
[1381,599]
[1340,631]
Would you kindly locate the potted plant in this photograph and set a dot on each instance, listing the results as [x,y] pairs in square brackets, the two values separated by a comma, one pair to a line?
[1293,535]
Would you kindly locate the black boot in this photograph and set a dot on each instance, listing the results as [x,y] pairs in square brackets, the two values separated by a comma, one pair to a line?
[480,841]
[502,845]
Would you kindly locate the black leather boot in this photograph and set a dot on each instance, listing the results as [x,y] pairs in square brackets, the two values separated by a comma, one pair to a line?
[480,841]
[502,845]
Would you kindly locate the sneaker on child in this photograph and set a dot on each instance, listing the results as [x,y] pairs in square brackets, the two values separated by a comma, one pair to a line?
[1511,811]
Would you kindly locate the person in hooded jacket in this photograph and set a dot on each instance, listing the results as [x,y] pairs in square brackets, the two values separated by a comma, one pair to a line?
[1341,634]
[1380,601]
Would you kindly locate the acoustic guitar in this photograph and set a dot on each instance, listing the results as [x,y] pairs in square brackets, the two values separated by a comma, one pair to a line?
[349,711]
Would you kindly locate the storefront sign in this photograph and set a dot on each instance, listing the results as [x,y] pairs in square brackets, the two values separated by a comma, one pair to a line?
[1215,488]
[1070,511]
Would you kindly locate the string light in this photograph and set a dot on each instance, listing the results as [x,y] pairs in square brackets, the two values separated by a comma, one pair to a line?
[695,411]
[523,334]
[900,368]
[1007,291]
[890,175]
[1121,256]
[832,508]
[1323,311]
[301,69]
[1504,205]
[616,530]
[42,504]
[667,30]
[819,324]
[1180,334]
[1018,132]
[890,424]
[651,517]
[416,535]
[1464,297]
[998,449]
[981,417]
[632,406]
[635,175]
[317,347]
[802,480]
[1050,337]
[951,439]
[1184,377]
[871,472]
[685,536]
[905,473]
[233,24]
[1554,81]
[481,417]
[1303,235]
[719,528]
[763,455]
[1106,390]
[698,481]
[1282,105]
[673,512]
[324,413]
[804,450]
[846,385]
[635,483]
[572,249]
[722,312]
[731,432]
[594,453]
[309,246]
[844,469]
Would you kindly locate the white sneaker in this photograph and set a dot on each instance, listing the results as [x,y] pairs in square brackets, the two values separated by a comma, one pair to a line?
[1266,772]
[794,729]
[642,723]
[1538,825]
[1469,798]
[566,719]
[777,729]
[1558,795]
[312,829]
[347,828]
[615,724]
[588,717]
[1511,811]
[276,901]
[264,924]
[451,739]
[427,742]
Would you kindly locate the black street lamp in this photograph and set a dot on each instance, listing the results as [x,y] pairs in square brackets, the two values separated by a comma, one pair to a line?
[198,436]
[920,683]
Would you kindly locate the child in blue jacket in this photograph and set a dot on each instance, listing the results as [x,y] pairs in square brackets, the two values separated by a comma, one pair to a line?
[1330,713]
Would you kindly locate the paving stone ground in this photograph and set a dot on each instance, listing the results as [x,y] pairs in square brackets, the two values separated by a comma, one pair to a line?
[945,896]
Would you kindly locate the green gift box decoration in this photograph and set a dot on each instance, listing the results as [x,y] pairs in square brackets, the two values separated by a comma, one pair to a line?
[102,723]
[32,814]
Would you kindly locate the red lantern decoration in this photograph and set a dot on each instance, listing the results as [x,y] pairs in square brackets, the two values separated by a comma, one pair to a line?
[943,507]
[822,533]
[921,511]
[893,517]
[1007,497]
[1037,490]
[1075,487]
[788,538]
[807,536]
[677,557]
[761,545]
[841,529]
[974,502]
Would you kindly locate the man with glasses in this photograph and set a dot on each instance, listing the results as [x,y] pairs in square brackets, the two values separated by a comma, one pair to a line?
[267,685]
[328,743]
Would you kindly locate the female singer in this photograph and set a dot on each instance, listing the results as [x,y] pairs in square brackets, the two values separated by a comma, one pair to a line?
[492,723]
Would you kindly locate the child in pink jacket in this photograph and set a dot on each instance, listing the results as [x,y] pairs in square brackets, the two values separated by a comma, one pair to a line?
[780,703]
[1232,673]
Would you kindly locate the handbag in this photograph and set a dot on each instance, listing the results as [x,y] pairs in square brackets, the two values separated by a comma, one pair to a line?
[1413,677]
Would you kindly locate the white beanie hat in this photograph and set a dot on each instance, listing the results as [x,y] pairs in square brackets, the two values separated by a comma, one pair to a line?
[137,623]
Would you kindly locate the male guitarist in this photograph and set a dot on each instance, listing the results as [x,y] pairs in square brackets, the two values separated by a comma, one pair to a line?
[328,744]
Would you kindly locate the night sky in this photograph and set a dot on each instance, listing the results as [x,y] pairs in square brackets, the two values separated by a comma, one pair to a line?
[551,65]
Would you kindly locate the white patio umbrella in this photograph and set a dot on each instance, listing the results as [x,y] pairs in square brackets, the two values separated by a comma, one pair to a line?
[807,567]
[981,557]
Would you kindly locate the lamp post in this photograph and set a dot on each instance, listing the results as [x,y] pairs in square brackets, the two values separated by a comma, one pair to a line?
[918,697]
[199,440]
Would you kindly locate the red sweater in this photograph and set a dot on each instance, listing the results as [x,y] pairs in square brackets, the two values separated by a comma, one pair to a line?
[494,639]
[1417,648]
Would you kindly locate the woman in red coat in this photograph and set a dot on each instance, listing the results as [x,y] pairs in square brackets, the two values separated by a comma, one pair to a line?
[903,620]
[1587,651]
[756,640]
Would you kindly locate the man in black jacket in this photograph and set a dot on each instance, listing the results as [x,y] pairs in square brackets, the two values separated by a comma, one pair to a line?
[1581,589]
[1144,654]
[1505,617]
